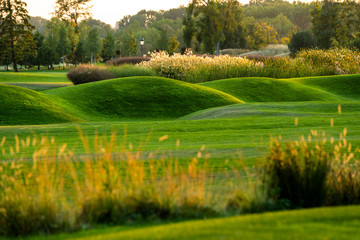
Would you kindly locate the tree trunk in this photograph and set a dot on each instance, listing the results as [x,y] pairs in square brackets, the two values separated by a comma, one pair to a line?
[38,66]
[63,63]
[13,54]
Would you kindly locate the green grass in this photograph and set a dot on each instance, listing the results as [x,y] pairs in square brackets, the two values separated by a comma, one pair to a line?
[324,110]
[198,115]
[24,106]
[321,223]
[347,86]
[270,90]
[33,76]
[139,97]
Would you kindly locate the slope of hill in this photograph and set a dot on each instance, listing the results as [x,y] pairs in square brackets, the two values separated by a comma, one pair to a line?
[23,106]
[139,97]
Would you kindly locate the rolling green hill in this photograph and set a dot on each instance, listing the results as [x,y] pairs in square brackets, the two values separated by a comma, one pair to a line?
[270,90]
[23,106]
[294,109]
[347,86]
[139,97]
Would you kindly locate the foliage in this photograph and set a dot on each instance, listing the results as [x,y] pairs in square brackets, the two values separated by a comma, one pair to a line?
[297,12]
[336,23]
[216,18]
[126,60]
[297,173]
[89,73]
[93,44]
[16,36]
[72,10]
[194,69]
[301,41]
[174,45]
[336,61]
[107,189]
[191,68]
[108,50]
[130,70]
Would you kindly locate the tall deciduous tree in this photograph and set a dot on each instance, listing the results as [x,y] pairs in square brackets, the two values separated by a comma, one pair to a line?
[72,10]
[63,47]
[189,24]
[218,17]
[93,44]
[108,50]
[16,36]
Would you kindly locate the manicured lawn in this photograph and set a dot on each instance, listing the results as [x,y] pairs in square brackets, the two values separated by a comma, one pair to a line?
[34,77]
[322,223]
[211,115]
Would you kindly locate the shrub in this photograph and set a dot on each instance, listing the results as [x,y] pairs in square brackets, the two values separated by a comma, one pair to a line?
[304,174]
[128,70]
[127,60]
[301,41]
[55,191]
[336,60]
[89,73]
[297,173]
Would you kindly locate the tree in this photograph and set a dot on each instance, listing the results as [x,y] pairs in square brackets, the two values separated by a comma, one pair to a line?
[108,50]
[174,44]
[63,47]
[16,36]
[93,44]
[80,52]
[39,39]
[324,23]
[189,24]
[301,41]
[72,11]
[164,41]
[216,18]
[47,55]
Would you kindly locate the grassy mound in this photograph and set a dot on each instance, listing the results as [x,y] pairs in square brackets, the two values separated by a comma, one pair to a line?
[140,97]
[269,90]
[298,109]
[347,86]
[24,106]
[318,223]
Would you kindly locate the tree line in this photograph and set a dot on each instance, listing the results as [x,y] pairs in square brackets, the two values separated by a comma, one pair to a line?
[205,26]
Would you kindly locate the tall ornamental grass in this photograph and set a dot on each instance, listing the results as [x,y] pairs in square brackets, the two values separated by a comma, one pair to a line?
[195,69]
[117,183]
[336,60]
[311,172]
[111,184]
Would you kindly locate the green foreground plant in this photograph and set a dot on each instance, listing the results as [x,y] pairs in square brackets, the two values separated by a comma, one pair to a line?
[117,183]
[304,174]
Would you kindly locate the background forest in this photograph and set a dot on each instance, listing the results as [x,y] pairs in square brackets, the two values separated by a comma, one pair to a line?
[204,26]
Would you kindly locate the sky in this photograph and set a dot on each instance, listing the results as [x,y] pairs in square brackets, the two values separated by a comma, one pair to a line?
[108,11]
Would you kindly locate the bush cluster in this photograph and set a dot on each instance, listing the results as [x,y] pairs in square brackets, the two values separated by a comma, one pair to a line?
[305,174]
[90,73]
